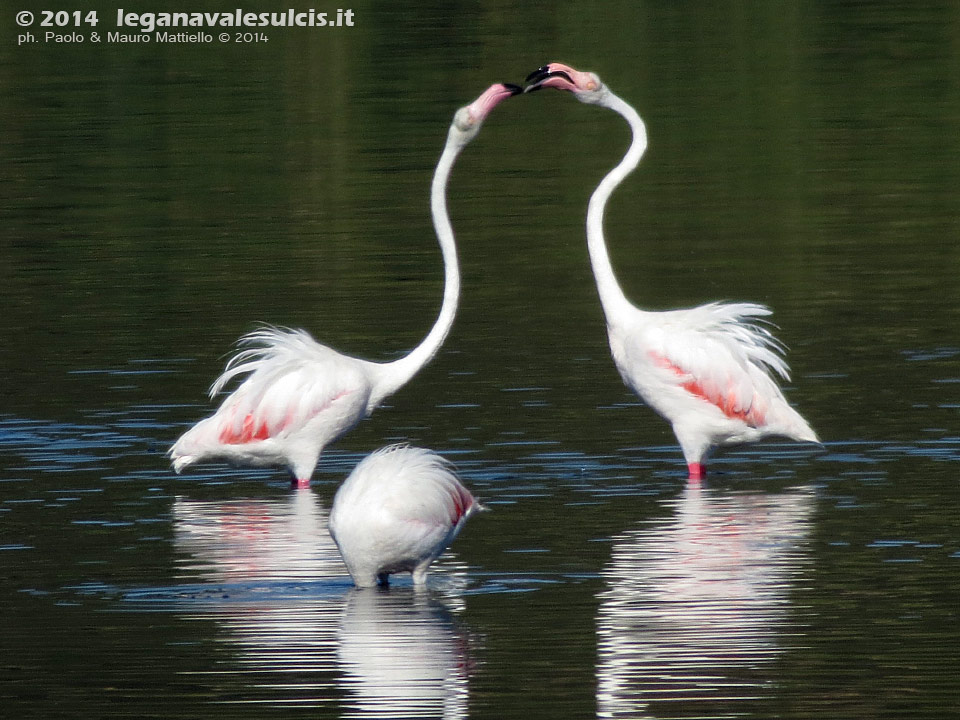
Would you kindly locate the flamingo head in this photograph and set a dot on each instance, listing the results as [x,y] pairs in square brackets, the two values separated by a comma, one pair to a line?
[468,119]
[586,86]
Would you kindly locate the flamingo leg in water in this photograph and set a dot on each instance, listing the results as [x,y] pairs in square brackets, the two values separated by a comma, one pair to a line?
[698,471]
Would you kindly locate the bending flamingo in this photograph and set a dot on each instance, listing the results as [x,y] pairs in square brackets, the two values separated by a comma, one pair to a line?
[707,370]
[299,395]
[397,512]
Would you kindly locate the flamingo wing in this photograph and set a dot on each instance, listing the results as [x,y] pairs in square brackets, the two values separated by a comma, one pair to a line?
[290,380]
[413,498]
[424,490]
[718,354]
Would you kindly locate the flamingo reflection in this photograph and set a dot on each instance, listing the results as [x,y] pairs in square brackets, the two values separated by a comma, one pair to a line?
[242,540]
[269,574]
[696,605]
[403,657]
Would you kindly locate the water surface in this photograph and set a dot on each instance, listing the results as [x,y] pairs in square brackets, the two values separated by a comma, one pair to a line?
[157,202]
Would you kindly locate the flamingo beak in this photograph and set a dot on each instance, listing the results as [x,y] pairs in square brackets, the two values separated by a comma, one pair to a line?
[492,96]
[538,79]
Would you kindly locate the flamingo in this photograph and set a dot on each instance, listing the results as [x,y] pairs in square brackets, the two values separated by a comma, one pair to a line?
[298,395]
[707,370]
[397,512]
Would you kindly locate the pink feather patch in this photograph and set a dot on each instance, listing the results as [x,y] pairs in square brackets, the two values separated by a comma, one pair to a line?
[250,431]
[462,502]
[728,402]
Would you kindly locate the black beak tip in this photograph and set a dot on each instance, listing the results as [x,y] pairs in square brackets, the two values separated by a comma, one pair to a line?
[514,89]
[542,73]
[539,74]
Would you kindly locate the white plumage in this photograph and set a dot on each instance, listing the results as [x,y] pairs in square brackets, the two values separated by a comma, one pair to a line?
[397,512]
[298,396]
[708,370]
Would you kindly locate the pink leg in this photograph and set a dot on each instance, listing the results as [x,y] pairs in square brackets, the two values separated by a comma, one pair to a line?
[298,483]
[697,471]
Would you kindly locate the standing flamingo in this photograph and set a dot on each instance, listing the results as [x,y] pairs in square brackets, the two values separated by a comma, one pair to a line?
[707,370]
[299,395]
[396,512]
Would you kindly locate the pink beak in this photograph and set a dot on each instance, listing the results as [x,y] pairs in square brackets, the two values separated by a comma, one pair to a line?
[493,96]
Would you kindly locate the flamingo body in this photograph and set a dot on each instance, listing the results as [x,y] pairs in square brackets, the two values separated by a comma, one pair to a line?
[298,395]
[708,370]
[397,512]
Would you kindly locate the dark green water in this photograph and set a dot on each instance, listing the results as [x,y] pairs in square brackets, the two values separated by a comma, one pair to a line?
[157,200]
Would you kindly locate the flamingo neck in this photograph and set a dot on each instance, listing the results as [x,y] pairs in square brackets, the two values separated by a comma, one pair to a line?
[396,374]
[612,299]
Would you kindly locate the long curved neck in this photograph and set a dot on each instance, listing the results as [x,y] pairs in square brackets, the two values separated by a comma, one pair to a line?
[397,373]
[611,295]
